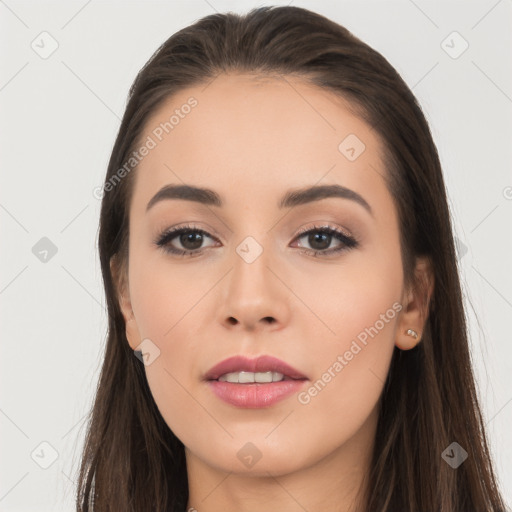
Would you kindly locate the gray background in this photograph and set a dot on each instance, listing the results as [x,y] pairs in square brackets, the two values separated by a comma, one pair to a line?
[59,117]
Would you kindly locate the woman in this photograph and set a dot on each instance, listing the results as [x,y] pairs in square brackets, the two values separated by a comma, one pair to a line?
[277,252]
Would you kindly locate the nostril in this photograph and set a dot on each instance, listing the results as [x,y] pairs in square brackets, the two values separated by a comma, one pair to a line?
[232,320]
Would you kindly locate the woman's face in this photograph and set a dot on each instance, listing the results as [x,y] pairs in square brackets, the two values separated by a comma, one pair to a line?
[253,285]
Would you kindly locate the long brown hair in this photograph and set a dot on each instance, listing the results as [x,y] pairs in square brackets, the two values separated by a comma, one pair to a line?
[131,460]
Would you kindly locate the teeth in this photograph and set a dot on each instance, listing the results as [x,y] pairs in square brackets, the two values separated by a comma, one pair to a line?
[251,377]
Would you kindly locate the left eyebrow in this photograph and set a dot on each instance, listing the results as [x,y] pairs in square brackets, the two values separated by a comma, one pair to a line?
[292,198]
[307,195]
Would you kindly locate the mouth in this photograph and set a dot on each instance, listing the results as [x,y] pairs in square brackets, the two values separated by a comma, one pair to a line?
[243,377]
[262,370]
[254,383]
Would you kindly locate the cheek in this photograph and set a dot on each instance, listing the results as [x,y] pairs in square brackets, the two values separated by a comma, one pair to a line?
[342,300]
[353,345]
[342,399]
[163,295]
[167,303]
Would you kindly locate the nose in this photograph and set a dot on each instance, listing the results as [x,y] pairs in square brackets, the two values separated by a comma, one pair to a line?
[254,296]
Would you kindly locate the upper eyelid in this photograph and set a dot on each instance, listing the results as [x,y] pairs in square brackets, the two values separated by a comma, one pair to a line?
[190,227]
[326,227]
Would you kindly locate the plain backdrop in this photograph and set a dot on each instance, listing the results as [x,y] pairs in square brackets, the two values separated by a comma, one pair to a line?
[65,71]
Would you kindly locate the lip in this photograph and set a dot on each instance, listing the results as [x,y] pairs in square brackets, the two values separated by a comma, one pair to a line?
[260,364]
[256,395]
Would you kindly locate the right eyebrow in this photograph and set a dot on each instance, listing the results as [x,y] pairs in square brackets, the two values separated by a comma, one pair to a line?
[188,193]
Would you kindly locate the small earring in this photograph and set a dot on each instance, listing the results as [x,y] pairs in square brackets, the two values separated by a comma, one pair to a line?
[413,333]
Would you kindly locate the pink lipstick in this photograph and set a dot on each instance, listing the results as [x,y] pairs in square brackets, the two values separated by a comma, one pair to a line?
[254,383]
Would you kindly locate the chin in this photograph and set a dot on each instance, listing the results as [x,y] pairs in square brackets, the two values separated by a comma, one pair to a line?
[260,459]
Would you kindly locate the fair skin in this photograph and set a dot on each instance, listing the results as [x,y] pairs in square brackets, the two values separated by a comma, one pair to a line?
[251,141]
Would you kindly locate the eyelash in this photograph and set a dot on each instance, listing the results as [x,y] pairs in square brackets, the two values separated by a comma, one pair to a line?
[348,242]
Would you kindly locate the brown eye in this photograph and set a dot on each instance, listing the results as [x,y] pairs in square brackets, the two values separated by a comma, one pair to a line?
[319,239]
[183,241]
[191,240]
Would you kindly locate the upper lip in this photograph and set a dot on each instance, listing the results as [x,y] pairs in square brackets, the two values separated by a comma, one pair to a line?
[260,364]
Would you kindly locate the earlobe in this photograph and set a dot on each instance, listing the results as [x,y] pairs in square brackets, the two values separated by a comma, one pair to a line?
[414,315]
[132,333]
[120,281]
[408,339]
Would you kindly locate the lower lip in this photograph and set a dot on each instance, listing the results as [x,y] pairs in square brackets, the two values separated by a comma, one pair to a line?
[257,395]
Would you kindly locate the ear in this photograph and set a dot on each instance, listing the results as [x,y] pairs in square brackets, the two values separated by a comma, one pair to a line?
[415,303]
[119,274]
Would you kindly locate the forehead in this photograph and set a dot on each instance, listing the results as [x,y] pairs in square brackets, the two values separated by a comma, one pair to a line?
[253,137]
